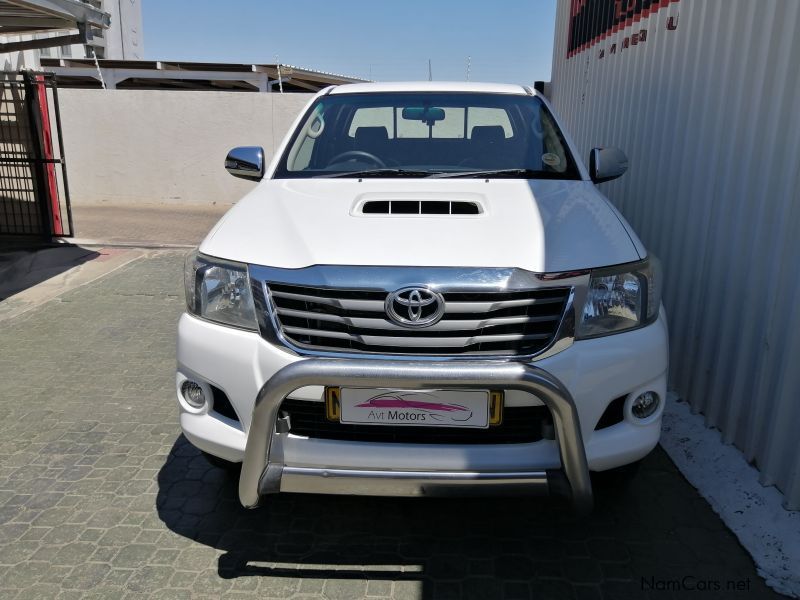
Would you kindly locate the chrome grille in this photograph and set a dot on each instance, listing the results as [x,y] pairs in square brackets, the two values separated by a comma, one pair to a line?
[345,320]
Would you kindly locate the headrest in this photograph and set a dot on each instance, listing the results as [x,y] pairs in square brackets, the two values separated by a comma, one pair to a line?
[371,134]
[488,133]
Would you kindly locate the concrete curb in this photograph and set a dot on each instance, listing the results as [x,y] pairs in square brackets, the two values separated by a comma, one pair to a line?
[91,243]
[769,532]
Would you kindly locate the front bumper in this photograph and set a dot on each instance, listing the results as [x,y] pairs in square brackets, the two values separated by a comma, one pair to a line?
[593,371]
[263,469]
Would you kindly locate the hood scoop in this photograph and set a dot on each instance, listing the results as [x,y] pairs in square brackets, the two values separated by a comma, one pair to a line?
[419,207]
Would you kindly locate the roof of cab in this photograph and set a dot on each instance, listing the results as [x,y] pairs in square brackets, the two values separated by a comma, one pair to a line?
[431,86]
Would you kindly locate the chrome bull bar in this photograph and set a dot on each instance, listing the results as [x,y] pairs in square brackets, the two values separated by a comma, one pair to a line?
[262,472]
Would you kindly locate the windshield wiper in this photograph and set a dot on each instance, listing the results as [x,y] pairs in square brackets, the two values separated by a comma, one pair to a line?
[521,173]
[379,173]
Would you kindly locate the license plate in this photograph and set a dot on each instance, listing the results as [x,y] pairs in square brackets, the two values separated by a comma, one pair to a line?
[420,408]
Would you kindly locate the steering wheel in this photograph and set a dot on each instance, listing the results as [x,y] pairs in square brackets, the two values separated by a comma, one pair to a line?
[356,155]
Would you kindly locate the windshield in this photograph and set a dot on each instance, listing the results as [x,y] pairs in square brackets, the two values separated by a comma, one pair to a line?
[426,135]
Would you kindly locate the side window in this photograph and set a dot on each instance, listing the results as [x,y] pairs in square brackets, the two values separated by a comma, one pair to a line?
[379,116]
[478,116]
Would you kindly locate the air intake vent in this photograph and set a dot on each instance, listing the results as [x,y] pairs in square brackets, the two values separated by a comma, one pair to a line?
[521,425]
[420,207]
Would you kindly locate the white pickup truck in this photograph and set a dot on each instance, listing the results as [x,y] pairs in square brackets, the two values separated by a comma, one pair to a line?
[425,294]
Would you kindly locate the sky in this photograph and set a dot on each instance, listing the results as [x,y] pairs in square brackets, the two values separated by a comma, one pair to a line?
[507,40]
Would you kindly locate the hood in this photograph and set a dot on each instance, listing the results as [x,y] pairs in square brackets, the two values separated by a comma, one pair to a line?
[541,226]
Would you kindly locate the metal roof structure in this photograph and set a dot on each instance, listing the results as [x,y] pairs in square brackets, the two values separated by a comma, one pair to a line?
[161,75]
[22,17]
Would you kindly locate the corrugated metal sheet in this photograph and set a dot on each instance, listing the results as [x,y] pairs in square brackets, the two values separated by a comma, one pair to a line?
[707,108]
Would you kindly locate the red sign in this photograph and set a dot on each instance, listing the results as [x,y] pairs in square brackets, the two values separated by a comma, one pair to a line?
[592,21]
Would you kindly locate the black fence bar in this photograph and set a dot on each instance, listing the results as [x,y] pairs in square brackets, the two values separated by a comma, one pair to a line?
[41,189]
[17,185]
[25,161]
[57,112]
[34,195]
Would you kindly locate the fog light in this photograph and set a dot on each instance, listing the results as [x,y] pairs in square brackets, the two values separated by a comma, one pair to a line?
[644,405]
[193,394]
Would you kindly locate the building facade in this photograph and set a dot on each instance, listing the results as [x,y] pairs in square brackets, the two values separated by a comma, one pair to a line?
[702,96]
[122,40]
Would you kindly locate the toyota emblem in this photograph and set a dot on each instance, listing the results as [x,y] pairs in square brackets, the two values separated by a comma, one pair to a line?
[415,306]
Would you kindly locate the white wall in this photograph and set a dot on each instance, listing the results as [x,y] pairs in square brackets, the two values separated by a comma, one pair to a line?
[707,110]
[154,146]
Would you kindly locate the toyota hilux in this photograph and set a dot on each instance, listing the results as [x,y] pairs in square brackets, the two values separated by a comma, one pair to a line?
[424,294]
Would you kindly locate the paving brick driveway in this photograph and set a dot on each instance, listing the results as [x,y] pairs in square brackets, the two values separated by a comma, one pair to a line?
[100,496]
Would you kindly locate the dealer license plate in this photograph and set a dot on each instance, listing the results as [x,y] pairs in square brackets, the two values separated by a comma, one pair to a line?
[421,408]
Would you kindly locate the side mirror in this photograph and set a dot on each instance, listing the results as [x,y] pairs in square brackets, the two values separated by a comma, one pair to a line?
[606,164]
[246,162]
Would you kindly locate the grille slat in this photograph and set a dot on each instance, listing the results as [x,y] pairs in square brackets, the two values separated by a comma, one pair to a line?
[343,303]
[484,307]
[521,424]
[454,307]
[447,325]
[508,323]
[385,340]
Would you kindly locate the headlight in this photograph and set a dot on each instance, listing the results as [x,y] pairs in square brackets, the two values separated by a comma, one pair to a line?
[219,291]
[621,298]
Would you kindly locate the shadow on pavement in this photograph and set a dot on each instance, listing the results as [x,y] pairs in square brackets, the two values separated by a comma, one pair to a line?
[24,269]
[655,528]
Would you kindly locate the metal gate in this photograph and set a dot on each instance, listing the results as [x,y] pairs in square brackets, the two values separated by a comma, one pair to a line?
[34,196]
